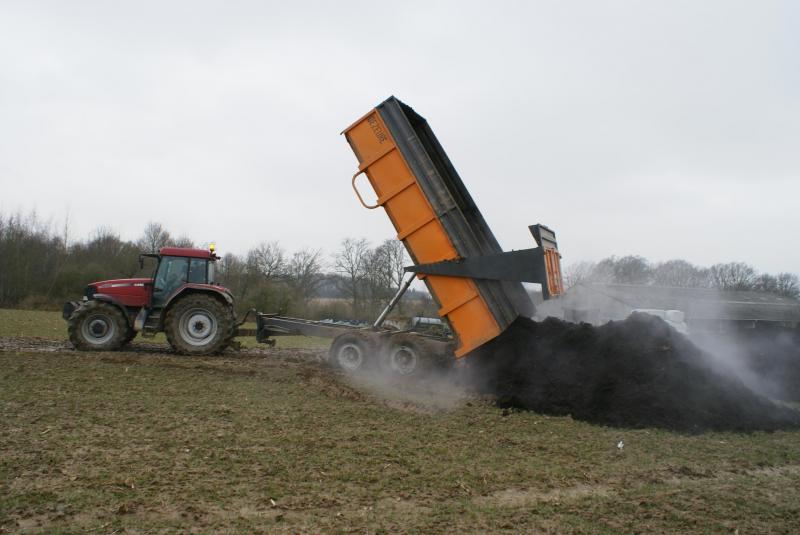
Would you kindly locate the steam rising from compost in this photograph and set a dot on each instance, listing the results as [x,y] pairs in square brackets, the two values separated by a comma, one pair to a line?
[767,360]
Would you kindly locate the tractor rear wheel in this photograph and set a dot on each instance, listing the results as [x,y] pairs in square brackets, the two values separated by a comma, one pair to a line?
[199,324]
[352,352]
[97,326]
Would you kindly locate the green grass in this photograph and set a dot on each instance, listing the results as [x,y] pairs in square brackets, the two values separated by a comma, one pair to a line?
[272,442]
[50,325]
[32,323]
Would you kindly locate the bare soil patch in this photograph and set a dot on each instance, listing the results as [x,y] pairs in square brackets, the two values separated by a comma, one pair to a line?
[274,441]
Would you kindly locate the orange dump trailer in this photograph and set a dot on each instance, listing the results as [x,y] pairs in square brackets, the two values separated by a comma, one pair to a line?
[477,287]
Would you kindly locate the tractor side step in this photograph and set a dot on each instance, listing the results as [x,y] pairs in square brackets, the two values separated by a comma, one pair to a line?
[151,324]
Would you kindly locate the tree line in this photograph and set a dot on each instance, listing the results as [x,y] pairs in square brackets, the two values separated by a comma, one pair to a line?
[42,267]
[680,273]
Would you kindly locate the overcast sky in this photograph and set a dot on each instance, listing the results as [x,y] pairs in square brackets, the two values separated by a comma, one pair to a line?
[664,129]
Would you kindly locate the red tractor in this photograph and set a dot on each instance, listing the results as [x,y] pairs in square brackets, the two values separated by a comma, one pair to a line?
[181,300]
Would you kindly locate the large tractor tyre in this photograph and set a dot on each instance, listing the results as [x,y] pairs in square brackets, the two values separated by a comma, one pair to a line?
[97,326]
[199,324]
[408,355]
[352,352]
[131,334]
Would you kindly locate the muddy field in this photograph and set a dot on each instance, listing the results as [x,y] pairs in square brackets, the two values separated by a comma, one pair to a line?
[272,440]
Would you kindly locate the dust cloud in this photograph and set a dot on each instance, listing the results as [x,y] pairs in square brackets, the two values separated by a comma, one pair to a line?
[433,389]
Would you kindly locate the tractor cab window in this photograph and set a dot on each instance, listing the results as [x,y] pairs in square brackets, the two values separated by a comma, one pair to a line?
[171,275]
[197,270]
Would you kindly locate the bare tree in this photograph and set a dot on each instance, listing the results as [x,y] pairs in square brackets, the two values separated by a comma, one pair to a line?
[680,274]
[391,259]
[578,272]
[632,270]
[110,255]
[154,238]
[62,255]
[266,260]
[788,285]
[106,242]
[626,270]
[733,276]
[65,232]
[378,281]
[181,241]
[766,283]
[28,253]
[231,272]
[303,272]
[381,275]
[351,263]
[603,271]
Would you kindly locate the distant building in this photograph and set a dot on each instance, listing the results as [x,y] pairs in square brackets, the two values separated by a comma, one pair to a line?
[704,309]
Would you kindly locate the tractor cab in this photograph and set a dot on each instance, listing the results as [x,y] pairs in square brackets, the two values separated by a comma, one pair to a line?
[177,267]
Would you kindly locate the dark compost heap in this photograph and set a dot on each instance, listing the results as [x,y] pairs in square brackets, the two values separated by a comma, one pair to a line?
[639,372]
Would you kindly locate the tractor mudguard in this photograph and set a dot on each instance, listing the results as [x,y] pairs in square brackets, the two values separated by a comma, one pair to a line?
[114,301]
[69,308]
[206,288]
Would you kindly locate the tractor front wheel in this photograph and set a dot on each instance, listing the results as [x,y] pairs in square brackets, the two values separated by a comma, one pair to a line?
[97,326]
[199,325]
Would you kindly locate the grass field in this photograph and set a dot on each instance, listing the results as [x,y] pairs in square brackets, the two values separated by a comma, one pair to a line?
[273,441]
[51,326]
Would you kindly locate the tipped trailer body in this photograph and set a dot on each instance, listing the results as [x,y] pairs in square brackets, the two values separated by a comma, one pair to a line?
[477,286]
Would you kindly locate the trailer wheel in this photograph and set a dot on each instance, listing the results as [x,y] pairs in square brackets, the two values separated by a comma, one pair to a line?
[352,352]
[198,324]
[97,326]
[407,355]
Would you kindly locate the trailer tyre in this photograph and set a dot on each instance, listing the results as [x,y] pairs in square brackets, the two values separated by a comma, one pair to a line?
[407,355]
[199,324]
[352,352]
[97,326]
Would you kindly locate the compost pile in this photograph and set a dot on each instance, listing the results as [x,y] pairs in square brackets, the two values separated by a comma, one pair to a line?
[639,372]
